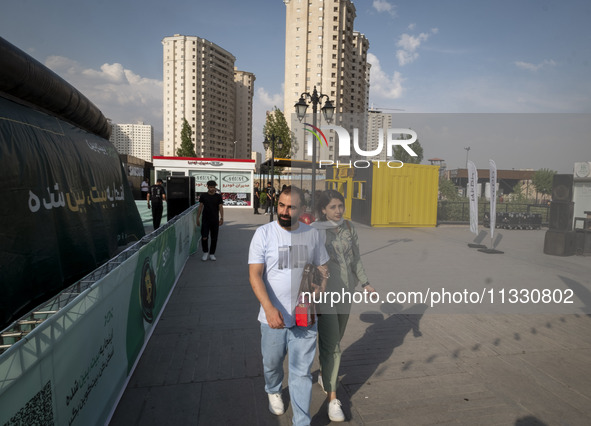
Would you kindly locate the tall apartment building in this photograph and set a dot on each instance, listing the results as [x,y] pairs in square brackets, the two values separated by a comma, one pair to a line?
[133,139]
[243,117]
[323,50]
[199,85]
[377,123]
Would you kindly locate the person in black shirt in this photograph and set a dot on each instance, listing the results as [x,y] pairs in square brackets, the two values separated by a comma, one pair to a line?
[212,207]
[270,198]
[256,201]
[156,195]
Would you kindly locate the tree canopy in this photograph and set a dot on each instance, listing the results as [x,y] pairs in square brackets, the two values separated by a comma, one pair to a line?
[276,128]
[187,148]
[447,189]
[400,153]
[542,181]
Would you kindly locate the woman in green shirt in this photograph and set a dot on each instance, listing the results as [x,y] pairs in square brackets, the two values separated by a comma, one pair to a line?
[346,271]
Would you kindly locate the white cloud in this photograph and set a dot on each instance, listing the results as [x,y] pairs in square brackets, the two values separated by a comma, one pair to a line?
[269,101]
[534,67]
[263,101]
[412,26]
[404,57]
[382,85]
[384,6]
[121,94]
[409,45]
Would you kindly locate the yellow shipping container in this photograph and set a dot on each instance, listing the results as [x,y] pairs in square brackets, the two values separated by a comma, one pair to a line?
[386,197]
[405,197]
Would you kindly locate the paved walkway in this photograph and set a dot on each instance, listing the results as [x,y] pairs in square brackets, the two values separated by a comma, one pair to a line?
[403,364]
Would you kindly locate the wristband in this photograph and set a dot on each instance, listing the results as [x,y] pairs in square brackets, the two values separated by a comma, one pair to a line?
[364,285]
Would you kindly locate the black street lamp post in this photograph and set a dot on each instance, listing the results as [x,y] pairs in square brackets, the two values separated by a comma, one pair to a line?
[328,111]
[274,141]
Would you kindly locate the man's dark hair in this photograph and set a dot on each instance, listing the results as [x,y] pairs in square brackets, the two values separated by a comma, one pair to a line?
[292,188]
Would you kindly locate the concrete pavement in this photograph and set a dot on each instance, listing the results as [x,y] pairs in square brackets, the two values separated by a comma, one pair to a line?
[403,363]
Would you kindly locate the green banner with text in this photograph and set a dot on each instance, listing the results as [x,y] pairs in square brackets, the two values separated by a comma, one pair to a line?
[72,368]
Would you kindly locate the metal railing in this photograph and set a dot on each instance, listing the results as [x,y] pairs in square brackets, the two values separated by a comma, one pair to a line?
[459,211]
[27,323]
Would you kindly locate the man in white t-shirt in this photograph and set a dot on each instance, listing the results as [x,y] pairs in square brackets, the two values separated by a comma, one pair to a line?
[278,253]
[145,188]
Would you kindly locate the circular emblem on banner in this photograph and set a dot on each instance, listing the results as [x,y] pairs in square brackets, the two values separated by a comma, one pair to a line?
[235,179]
[582,170]
[147,291]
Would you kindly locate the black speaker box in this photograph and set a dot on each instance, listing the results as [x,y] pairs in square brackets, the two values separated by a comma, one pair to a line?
[560,243]
[176,206]
[561,215]
[180,194]
[192,190]
[562,188]
[177,187]
[583,241]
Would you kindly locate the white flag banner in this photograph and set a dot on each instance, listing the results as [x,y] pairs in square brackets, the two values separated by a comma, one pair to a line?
[472,182]
[493,196]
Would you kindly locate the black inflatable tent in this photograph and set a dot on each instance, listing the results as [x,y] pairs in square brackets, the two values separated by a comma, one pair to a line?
[65,203]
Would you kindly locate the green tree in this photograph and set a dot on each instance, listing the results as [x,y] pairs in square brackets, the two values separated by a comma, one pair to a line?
[276,128]
[518,197]
[400,153]
[187,149]
[542,181]
[448,190]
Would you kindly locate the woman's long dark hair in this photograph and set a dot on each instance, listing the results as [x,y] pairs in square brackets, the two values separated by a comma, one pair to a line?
[324,200]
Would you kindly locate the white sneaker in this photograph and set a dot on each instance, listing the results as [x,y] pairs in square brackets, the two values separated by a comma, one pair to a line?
[320,382]
[204,257]
[212,257]
[276,404]
[335,413]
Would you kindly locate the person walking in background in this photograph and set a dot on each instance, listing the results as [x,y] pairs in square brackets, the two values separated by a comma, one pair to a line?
[270,198]
[145,188]
[345,271]
[278,253]
[156,195]
[211,205]
[256,193]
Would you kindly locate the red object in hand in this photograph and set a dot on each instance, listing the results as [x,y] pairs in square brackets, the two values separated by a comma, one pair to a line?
[307,218]
[304,314]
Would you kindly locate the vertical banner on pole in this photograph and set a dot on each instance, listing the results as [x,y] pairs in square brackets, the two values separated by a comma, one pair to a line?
[493,196]
[472,181]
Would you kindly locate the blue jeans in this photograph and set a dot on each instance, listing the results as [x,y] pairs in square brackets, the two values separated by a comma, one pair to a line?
[300,342]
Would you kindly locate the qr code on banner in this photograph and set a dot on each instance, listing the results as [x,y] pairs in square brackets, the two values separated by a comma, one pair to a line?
[37,412]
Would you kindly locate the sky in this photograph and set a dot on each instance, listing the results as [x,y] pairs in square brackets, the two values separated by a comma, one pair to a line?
[449,57]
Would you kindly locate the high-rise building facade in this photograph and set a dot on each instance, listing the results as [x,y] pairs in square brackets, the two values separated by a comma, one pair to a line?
[323,51]
[243,117]
[199,86]
[133,139]
[378,124]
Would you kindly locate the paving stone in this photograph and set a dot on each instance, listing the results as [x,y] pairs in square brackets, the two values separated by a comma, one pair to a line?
[402,364]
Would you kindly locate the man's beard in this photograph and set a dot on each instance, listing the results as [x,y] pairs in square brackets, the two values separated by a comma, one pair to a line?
[285,221]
